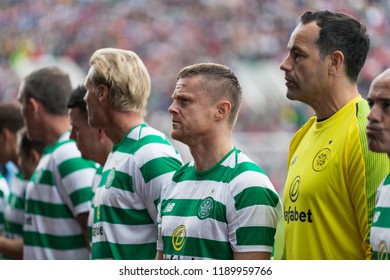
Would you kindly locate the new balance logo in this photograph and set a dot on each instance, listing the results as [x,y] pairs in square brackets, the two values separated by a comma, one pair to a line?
[169,207]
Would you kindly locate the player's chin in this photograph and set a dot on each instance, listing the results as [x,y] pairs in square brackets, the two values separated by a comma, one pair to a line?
[175,134]
[292,95]
[374,145]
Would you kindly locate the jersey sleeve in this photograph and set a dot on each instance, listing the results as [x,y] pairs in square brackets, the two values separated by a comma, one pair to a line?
[255,210]
[366,170]
[156,171]
[76,176]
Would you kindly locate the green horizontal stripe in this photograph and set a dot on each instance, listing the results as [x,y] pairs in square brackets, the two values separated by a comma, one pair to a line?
[198,247]
[122,181]
[44,177]
[48,209]
[131,146]
[14,228]
[20,175]
[384,217]
[74,164]
[219,173]
[54,242]
[256,196]
[107,250]
[383,256]
[115,215]
[81,196]
[159,166]
[15,201]
[190,207]
[247,236]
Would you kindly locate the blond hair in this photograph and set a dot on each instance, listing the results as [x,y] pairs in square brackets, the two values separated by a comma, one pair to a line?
[126,77]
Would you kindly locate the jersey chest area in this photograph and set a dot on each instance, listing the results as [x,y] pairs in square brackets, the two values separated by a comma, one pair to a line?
[317,172]
[199,200]
[193,215]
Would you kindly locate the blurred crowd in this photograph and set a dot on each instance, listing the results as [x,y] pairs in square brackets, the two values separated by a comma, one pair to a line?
[170,34]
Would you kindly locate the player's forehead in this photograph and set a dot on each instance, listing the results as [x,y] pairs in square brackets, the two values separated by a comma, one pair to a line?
[379,91]
[380,86]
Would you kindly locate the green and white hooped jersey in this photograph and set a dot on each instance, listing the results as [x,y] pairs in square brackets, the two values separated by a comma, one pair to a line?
[4,191]
[59,190]
[95,185]
[232,207]
[126,199]
[14,210]
[380,230]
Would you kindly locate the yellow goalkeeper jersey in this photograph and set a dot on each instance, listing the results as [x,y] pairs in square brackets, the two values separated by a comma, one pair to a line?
[329,194]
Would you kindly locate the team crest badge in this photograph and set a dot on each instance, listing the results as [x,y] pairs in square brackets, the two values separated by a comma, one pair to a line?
[205,208]
[321,160]
[110,178]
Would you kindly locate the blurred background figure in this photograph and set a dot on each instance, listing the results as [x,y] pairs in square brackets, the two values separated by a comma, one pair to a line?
[11,120]
[58,196]
[92,142]
[4,190]
[29,153]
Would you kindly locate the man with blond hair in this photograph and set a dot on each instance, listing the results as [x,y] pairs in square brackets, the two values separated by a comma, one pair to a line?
[142,160]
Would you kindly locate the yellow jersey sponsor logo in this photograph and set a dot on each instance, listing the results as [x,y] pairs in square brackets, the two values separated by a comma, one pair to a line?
[179,237]
[294,189]
[383,251]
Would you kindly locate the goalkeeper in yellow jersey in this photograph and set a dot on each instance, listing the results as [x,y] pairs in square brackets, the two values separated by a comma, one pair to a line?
[332,177]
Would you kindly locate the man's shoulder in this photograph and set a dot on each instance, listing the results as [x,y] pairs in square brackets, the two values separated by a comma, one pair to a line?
[64,149]
[297,137]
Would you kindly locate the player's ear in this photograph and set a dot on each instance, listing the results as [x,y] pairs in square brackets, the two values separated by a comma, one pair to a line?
[102,93]
[34,104]
[223,110]
[336,62]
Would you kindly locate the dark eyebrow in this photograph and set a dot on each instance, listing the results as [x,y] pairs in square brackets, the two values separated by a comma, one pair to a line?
[378,99]
[294,47]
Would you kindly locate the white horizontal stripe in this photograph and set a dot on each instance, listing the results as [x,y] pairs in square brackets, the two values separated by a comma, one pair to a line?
[43,193]
[118,198]
[250,179]
[125,234]
[38,253]
[259,215]
[78,179]
[54,226]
